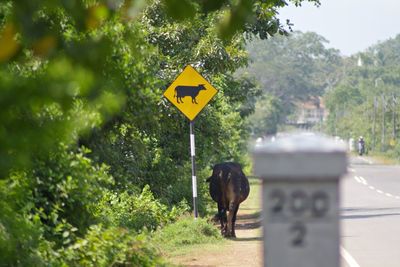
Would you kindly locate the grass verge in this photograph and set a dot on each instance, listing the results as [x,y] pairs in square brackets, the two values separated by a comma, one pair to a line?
[185,235]
[188,235]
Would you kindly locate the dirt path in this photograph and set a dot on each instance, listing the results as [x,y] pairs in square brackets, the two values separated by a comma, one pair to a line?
[245,250]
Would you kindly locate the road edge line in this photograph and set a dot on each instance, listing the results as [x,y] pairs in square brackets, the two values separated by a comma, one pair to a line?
[348,258]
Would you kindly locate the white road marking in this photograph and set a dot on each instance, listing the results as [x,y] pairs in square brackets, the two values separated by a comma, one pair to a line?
[351,170]
[362,180]
[348,258]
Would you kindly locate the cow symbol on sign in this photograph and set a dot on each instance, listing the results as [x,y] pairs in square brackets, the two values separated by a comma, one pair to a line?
[185,90]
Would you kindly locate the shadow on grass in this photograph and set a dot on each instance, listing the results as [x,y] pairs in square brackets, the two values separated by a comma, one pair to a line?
[254,215]
[259,238]
[249,209]
[248,226]
[248,221]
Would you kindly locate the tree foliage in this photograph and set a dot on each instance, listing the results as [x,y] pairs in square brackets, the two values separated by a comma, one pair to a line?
[81,76]
[289,69]
[365,102]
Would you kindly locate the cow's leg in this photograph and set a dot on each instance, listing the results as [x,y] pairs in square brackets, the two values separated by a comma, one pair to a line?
[234,220]
[195,100]
[222,218]
[232,208]
[180,98]
[224,230]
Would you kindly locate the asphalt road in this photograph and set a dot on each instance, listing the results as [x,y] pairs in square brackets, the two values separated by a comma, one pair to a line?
[370,215]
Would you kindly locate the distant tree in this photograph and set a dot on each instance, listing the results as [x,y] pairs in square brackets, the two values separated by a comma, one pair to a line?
[292,69]
[365,101]
[266,117]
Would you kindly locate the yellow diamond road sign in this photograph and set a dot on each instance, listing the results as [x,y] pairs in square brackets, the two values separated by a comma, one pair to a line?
[190,92]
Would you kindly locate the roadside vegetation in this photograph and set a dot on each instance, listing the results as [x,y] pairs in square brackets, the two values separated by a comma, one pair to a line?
[289,70]
[365,102]
[181,236]
[93,161]
[361,93]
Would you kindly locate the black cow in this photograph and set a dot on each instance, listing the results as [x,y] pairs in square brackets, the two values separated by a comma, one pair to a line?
[228,187]
[185,90]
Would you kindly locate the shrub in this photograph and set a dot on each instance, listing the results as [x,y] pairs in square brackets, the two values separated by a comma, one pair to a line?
[19,235]
[107,247]
[136,212]
[22,242]
[65,187]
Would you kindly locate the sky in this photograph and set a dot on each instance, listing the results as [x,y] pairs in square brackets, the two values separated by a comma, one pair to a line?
[349,25]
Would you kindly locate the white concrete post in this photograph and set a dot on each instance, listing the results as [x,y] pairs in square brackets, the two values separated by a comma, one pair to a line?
[300,177]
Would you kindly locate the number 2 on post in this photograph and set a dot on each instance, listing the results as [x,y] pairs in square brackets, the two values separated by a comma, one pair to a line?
[298,231]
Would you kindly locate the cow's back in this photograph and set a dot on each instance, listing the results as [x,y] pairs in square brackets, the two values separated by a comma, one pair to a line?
[228,183]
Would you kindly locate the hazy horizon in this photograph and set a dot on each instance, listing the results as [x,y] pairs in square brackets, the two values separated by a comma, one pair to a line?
[349,25]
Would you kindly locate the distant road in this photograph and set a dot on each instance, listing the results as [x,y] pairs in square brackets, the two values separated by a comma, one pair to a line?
[370,215]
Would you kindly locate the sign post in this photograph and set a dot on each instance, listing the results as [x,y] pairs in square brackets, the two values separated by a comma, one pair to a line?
[190,93]
[194,179]
[300,180]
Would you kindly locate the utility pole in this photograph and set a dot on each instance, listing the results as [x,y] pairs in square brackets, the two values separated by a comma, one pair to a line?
[374,124]
[394,100]
[336,118]
[383,123]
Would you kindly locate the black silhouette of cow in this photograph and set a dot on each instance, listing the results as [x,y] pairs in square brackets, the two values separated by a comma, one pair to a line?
[186,90]
[228,187]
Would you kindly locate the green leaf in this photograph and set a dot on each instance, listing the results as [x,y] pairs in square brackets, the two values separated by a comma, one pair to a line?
[180,9]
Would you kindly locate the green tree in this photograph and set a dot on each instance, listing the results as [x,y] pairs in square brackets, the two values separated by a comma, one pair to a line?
[365,101]
[291,69]
[266,117]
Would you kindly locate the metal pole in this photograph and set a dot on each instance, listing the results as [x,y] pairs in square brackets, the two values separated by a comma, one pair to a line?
[194,179]
[394,116]
[374,123]
[383,123]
